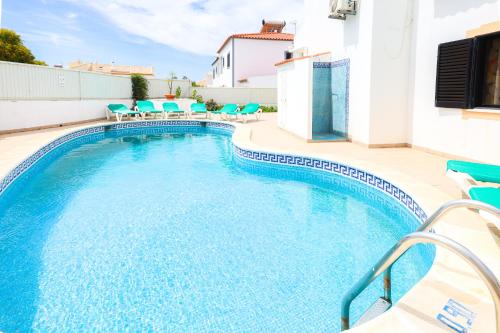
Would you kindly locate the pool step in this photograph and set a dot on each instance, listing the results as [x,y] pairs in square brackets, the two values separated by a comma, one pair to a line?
[380,306]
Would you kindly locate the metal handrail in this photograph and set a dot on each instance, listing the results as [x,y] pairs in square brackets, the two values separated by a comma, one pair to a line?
[400,248]
[426,226]
[462,203]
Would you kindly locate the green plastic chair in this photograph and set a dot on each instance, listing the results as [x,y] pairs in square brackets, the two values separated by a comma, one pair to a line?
[120,110]
[172,107]
[478,171]
[489,195]
[251,108]
[199,108]
[147,107]
[226,110]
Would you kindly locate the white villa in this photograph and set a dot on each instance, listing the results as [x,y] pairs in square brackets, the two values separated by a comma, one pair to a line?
[247,60]
[373,78]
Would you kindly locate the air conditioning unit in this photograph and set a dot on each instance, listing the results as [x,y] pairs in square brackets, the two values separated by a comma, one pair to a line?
[340,8]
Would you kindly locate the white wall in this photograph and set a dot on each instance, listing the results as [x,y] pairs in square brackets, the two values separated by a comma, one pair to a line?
[295,98]
[256,57]
[264,81]
[390,71]
[32,114]
[442,129]
[224,78]
[16,115]
[264,96]
[392,47]
[343,39]
[159,87]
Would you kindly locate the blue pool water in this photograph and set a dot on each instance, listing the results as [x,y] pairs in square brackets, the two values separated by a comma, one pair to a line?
[172,232]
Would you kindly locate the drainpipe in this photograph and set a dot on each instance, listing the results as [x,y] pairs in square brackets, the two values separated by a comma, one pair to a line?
[232,60]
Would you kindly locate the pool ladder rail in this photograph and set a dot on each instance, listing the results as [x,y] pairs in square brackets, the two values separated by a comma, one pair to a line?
[422,236]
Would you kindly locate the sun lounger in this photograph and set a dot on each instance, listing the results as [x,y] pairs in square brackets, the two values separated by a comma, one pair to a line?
[120,110]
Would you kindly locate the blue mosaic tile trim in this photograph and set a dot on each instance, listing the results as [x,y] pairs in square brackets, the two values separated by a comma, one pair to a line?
[322,64]
[221,125]
[347,64]
[340,169]
[155,123]
[341,62]
[333,64]
[27,163]
[172,123]
[290,160]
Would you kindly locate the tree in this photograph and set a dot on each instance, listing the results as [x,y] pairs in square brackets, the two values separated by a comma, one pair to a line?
[170,81]
[139,87]
[13,49]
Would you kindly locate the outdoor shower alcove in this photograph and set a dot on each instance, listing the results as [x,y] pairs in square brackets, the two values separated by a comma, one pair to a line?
[330,100]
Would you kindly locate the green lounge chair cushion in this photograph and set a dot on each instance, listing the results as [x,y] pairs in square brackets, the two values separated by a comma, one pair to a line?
[478,171]
[198,108]
[121,109]
[147,107]
[489,195]
[171,107]
[250,108]
[227,109]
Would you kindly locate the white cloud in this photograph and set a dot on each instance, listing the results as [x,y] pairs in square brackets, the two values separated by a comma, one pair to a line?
[57,39]
[197,26]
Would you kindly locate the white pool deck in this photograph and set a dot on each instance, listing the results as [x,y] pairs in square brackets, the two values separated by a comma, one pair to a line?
[419,173]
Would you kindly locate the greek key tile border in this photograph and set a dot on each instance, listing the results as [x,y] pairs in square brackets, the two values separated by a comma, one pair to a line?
[266,157]
[340,169]
[32,159]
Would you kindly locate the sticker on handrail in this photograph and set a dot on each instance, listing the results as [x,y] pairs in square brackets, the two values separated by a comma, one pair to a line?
[456,316]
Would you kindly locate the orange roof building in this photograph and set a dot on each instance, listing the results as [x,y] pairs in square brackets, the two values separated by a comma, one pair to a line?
[247,59]
[111,68]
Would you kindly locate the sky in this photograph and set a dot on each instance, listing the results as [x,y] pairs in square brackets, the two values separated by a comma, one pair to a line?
[170,35]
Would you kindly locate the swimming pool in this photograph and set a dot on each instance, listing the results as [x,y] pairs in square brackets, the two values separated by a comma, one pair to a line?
[167,229]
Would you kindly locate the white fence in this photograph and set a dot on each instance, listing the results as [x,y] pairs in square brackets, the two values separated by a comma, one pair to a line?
[22,82]
[30,82]
[265,96]
[158,88]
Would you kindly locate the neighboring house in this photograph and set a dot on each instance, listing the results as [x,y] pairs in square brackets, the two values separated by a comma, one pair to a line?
[377,78]
[247,60]
[112,68]
[206,81]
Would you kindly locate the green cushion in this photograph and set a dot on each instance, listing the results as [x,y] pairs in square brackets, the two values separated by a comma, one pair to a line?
[147,106]
[198,108]
[118,108]
[250,108]
[121,109]
[171,107]
[229,108]
[478,171]
[489,195]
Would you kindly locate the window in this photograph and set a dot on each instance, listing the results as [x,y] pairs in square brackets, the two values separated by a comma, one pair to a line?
[228,60]
[453,74]
[488,72]
[468,73]
[222,63]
